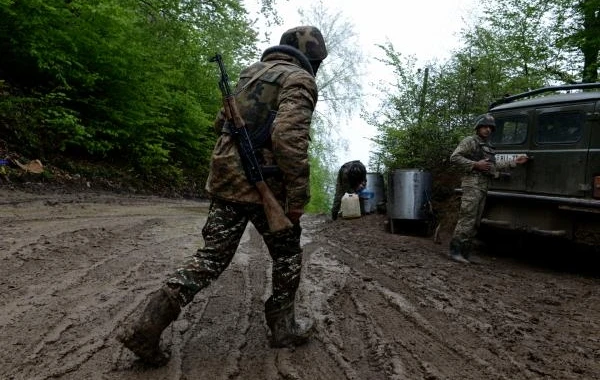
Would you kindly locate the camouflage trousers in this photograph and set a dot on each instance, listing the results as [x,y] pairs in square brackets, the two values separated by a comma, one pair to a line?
[222,232]
[469,216]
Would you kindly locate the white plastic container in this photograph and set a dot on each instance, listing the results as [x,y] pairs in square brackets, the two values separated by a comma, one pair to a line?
[350,206]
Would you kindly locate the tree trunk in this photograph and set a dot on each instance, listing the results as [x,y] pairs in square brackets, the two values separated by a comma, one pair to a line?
[590,45]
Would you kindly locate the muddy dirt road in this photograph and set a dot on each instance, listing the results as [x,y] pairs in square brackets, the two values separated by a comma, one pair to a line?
[74,266]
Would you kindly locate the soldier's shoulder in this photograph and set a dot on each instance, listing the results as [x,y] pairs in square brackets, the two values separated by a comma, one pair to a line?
[253,69]
[297,74]
[469,140]
[281,71]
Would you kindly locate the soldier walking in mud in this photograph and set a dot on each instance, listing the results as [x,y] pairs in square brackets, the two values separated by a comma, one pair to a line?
[276,98]
[351,178]
[476,157]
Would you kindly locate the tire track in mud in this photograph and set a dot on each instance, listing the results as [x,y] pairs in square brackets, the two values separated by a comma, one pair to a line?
[354,316]
[385,306]
[325,279]
[359,340]
[231,337]
[397,310]
[489,320]
[216,335]
[79,299]
[218,332]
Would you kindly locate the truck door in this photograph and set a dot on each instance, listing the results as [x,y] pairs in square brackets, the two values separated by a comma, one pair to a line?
[559,149]
[511,138]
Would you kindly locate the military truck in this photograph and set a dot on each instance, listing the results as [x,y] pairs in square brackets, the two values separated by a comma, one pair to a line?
[557,192]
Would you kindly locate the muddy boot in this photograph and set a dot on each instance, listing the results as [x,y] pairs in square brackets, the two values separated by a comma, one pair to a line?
[472,251]
[466,250]
[456,251]
[285,330]
[143,336]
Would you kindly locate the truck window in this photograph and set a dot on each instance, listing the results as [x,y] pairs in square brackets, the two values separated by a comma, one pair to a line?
[510,131]
[559,127]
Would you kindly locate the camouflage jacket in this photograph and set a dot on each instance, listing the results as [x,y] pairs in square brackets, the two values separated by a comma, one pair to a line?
[470,150]
[276,97]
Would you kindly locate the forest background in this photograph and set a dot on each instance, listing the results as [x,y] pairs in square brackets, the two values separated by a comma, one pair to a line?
[119,94]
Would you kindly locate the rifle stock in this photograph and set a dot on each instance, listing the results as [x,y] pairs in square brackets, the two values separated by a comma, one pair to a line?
[275,214]
[276,217]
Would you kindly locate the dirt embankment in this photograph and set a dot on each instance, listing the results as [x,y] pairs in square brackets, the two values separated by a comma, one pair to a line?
[74,266]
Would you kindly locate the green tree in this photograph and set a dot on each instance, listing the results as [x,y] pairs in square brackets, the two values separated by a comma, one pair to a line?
[121,81]
[414,121]
[577,30]
[513,46]
[340,90]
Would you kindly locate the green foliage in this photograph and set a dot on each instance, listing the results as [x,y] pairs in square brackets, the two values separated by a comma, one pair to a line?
[577,28]
[123,81]
[322,164]
[513,42]
[43,121]
[514,46]
[415,124]
[340,93]
[127,82]
[421,146]
[320,187]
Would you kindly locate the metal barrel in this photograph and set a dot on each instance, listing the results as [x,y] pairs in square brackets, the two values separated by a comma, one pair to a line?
[376,191]
[409,193]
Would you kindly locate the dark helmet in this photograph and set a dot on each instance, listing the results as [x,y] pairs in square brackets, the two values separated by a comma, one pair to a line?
[485,120]
[307,39]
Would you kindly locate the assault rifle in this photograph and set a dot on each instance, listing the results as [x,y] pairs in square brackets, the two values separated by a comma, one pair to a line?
[276,217]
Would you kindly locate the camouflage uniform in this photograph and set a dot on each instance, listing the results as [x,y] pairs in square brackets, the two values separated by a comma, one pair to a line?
[347,184]
[277,109]
[474,184]
[276,98]
[222,233]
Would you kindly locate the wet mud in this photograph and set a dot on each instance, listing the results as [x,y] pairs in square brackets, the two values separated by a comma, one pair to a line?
[73,266]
